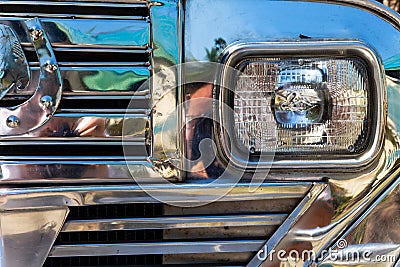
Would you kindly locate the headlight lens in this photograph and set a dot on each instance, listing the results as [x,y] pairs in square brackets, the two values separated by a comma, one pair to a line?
[305,104]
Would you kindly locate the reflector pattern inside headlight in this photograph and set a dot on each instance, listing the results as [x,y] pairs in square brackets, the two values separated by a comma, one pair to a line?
[302,105]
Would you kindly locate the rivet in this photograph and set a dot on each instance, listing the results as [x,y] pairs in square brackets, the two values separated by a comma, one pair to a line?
[12,121]
[252,150]
[19,85]
[46,101]
[37,34]
[50,67]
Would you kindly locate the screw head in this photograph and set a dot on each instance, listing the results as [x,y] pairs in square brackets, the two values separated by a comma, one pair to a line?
[36,34]
[20,85]
[50,67]
[12,121]
[46,101]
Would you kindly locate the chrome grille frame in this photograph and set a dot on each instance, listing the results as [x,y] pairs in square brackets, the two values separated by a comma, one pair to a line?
[131,47]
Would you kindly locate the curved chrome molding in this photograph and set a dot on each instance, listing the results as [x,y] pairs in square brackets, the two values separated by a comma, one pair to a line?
[378,198]
[324,48]
[316,193]
[38,110]
[371,6]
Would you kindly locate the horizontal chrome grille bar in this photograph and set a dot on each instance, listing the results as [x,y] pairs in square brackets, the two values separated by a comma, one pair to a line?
[88,34]
[132,3]
[193,193]
[91,126]
[68,16]
[173,222]
[74,9]
[92,79]
[155,248]
[127,50]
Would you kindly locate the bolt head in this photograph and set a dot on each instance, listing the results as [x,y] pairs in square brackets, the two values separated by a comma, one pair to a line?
[12,121]
[46,101]
[51,67]
[37,34]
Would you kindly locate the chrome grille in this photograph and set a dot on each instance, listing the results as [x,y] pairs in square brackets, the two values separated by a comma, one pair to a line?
[158,234]
[104,56]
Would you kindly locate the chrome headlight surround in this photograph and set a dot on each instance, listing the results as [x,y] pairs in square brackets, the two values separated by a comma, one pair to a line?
[336,49]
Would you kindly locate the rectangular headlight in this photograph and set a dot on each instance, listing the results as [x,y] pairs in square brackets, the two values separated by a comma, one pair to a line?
[321,102]
[302,105]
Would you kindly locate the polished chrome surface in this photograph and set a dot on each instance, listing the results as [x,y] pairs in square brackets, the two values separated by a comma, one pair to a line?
[352,192]
[28,235]
[167,30]
[30,115]
[173,222]
[376,230]
[317,192]
[329,49]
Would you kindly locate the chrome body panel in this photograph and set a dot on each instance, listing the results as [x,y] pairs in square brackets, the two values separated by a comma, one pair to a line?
[294,21]
[32,231]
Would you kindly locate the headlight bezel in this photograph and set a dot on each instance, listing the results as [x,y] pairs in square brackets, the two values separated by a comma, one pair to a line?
[337,49]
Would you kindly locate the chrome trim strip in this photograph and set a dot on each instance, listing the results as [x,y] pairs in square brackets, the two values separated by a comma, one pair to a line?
[90,125]
[166,14]
[102,64]
[93,114]
[70,159]
[142,95]
[146,112]
[282,231]
[9,16]
[72,172]
[132,3]
[14,198]
[104,49]
[154,248]
[173,222]
[74,142]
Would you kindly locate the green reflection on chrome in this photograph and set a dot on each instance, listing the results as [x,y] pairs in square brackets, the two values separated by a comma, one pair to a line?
[106,80]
